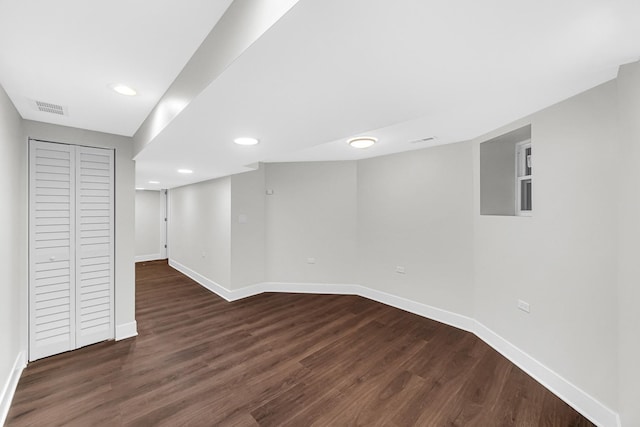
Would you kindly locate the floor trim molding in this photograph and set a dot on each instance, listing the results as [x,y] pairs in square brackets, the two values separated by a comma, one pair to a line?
[10,385]
[150,257]
[126,330]
[212,286]
[443,316]
[581,401]
[575,397]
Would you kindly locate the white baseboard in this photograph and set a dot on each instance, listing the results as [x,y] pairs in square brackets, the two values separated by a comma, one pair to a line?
[249,291]
[217,289]
[126,330]
[444,316]
[581,401]
[150,257]
[9,387]
[311,288]
[577,398]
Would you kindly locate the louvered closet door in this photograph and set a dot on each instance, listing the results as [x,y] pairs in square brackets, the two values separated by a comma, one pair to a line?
[51,254]
[94,245]
[71,274]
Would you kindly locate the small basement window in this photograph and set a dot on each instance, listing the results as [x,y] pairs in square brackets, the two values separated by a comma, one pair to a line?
[505,174]
[523,178]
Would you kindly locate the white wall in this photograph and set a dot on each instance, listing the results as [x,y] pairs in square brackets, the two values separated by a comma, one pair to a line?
[250,238]
[13,249]
[248,228]
[311,214]
[415,211]
[199,229]
[149,223]
[562,260]
[629,238]
[124,210]
[217,230]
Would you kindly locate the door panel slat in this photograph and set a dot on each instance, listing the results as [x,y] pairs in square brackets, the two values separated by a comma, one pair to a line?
[53,303]
[95,302]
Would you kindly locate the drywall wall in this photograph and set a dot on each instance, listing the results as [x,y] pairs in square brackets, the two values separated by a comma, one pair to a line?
[629,235]
[13,250]
[199,229]
[149,223]
[311,214]
[248,228]
[124,210]
[415,211]
[562,260]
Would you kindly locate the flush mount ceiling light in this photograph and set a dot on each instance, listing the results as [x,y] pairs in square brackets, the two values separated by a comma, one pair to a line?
[246,141]
[139,188]
[154,182]
[123,89]
[185,171]
[362,141]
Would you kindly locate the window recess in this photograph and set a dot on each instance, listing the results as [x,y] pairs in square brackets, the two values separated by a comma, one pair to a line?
[506,175]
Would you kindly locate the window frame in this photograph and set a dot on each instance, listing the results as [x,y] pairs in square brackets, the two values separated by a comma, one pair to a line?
[523,162]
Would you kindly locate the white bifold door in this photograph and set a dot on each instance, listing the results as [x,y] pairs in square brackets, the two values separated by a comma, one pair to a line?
[71,242]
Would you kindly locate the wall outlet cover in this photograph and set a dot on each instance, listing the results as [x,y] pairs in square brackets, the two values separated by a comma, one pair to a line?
[524,306]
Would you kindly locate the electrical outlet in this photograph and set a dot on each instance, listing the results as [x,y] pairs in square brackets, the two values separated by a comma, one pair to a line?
[311,260]
[204,254]
[524,306]
[400,269]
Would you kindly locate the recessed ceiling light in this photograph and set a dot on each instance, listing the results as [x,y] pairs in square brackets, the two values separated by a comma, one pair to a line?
[154,182]
[139,188]
[246,141]
[185,171]
[362,141]
[124,89]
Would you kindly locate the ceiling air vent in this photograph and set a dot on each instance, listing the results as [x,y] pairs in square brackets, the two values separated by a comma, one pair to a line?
[47,107]
[417,141]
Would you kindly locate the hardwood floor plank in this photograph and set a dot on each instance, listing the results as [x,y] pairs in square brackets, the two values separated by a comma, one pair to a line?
[480,390]
[280,360]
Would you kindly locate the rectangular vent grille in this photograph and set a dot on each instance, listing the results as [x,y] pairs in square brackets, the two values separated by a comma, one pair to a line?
[50,108]
[417,141]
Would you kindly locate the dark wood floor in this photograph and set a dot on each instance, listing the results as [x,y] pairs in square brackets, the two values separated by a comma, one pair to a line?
[280,359]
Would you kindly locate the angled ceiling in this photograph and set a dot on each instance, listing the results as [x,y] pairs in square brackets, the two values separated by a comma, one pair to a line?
[323,72]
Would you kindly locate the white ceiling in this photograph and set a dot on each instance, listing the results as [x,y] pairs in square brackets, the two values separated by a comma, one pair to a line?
[68,52]
[327,70]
